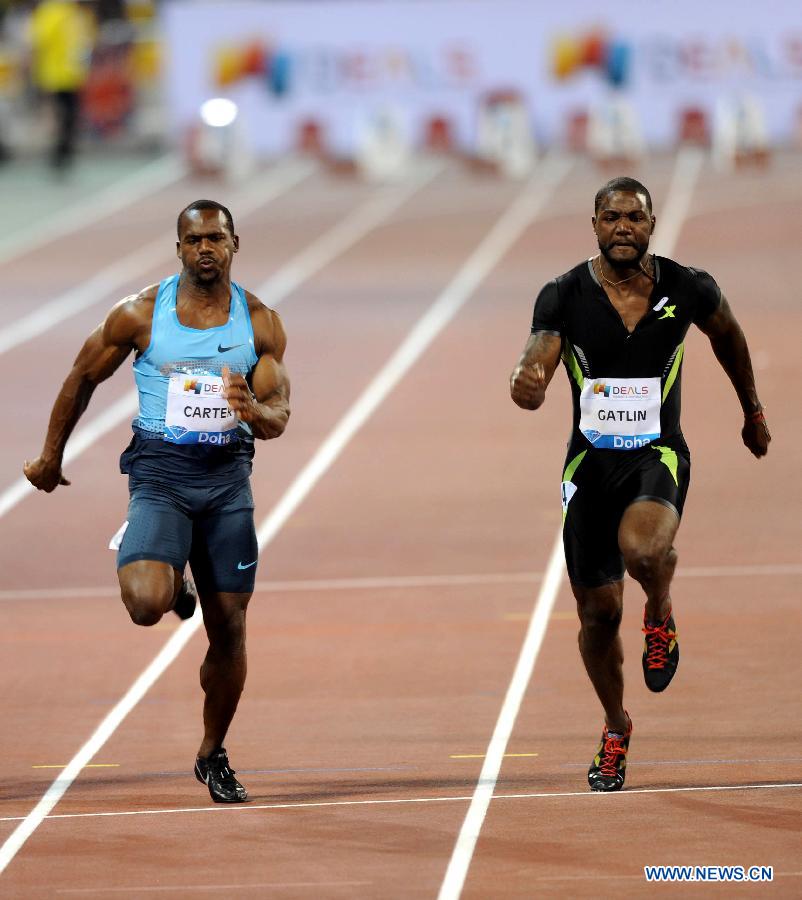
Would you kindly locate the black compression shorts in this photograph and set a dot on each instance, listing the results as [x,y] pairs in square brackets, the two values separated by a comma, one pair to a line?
[598,486]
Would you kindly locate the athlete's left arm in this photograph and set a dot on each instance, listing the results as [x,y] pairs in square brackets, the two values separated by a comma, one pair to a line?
[729,345]
[267,408]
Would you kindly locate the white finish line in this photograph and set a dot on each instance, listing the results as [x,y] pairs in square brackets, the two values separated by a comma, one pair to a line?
[595,796]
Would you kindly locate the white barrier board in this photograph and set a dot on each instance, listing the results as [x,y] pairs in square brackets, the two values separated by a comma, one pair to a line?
[341,62]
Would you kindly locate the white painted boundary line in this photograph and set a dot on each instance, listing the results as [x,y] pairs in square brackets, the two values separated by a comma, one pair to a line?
[469,833]
[342,236]
[109,419]
[406,582]
[496,243]
[555,795]
[149,180]
[686,171]
[110,279]
[305,264]
[308,262]
[500,238]
[678,199]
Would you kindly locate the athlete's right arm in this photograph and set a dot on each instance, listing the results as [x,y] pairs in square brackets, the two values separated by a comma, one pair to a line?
[102,354]
[535,369]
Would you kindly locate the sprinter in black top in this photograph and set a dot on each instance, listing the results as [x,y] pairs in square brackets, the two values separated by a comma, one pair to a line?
[618,322]
[597,347]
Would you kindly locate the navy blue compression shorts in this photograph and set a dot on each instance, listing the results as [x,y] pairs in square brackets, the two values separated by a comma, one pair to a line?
[210,525]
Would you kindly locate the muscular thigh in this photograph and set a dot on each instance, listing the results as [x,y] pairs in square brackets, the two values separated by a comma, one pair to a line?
[605,487]
[159,527]
[224,551]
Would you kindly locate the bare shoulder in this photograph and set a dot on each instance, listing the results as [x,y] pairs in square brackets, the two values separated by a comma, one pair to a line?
[131,317]
[268,330]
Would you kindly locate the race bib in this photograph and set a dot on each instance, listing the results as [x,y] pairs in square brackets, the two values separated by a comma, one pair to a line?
[620,413]
[197,412]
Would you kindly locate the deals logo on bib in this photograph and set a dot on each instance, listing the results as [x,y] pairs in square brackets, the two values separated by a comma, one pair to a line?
[197,386]
[622,391]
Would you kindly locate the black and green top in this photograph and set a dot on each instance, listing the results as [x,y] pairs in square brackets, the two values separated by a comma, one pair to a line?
[625,385]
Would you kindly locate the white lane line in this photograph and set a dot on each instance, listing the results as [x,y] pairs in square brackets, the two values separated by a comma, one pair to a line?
[344,235]
[149,180]
[103,284]
[103,732]
[686,171]
[687,167]
[109,419]
[396,582]
[355,226]
[469,832]
[401,801]
[497,242]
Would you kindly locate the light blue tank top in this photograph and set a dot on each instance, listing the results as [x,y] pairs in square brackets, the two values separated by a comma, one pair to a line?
[191,351]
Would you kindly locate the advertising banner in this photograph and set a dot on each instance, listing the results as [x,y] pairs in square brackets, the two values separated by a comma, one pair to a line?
[342,63]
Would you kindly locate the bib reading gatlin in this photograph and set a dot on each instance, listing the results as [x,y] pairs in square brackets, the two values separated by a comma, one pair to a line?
[620,413]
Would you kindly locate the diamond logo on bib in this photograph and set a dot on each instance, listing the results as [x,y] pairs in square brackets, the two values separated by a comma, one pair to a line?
[620,413]
[197,412]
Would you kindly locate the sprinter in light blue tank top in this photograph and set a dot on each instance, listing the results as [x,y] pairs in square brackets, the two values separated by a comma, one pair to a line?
[176,349]
[209,368]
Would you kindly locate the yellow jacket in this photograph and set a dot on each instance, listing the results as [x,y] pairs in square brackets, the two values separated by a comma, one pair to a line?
[61,38]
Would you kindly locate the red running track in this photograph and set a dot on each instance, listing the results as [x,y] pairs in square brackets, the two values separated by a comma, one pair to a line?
[393,604]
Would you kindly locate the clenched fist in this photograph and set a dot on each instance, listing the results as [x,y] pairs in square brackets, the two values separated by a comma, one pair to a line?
[528,385]
[43,474]
[755,434]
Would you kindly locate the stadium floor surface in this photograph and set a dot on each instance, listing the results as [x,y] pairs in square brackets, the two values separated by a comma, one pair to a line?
[398,582]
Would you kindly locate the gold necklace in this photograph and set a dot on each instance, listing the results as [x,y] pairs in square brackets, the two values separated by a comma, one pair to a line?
[628,278]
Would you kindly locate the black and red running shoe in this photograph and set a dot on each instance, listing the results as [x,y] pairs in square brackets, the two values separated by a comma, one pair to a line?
[660,653]
[608,769]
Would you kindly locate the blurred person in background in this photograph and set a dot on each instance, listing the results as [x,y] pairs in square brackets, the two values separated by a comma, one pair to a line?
[109,95]
[61,44]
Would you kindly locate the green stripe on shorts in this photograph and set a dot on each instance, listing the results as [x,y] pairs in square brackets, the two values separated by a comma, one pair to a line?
[669,458]
[572,466]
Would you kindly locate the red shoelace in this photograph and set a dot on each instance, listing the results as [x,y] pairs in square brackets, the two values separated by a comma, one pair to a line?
[657,647]
[613,748]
